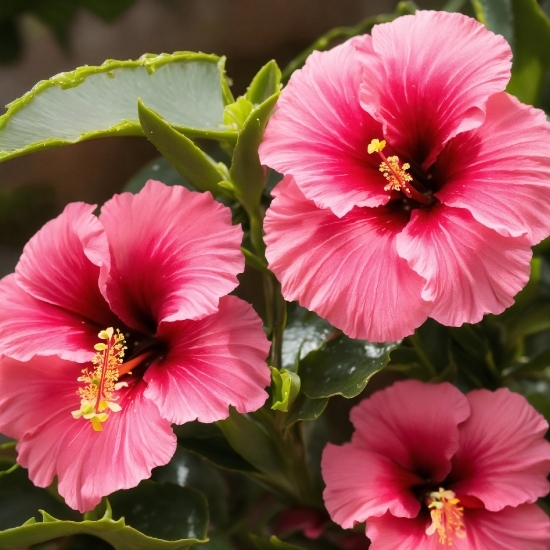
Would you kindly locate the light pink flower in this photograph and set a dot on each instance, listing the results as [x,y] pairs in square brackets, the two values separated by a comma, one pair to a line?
[157,267]
[376,246]
[429,467]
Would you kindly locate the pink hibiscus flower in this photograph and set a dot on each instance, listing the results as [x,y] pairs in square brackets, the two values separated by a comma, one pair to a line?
[429,467]
[112,328]
[415,186]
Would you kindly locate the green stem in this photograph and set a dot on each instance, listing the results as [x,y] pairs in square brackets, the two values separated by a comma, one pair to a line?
[413,339]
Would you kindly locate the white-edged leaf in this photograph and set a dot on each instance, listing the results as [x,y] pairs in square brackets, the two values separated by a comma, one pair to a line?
[187,89]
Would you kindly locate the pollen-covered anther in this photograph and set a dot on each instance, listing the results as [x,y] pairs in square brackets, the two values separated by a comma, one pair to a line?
[447,516]
[396,175]
[97,397]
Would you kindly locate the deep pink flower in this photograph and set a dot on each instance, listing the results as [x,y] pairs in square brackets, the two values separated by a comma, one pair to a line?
[437,223]
[429,467]
[157,267]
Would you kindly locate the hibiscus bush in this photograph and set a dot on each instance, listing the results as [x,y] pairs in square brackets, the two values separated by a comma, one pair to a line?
[388,388]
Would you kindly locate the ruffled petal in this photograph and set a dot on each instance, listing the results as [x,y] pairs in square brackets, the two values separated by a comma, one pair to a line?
[526,527]
[66,262]
[405,424]
[503,458]
[36,401]
[470,269]
[174,252]
[361,484]
[500,171]
[319,134]
[211,364]
[345,269]
[390,533]
[435,74]
[31,327]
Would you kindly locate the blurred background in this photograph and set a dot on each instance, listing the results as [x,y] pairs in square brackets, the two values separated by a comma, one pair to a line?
[40,38]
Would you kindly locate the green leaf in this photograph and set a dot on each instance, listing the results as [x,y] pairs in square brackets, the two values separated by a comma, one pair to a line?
[162,510]
[251,441]
[342,366]
[273,544]
[185,89]
[189,161]
[266,83]
[207,441]
[236,113]
[531,64]
[497,16]
[247,173]
[541,403]
[305,408]
[286,386]
[305,331]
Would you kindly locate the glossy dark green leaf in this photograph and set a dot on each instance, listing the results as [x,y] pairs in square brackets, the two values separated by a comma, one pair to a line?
[532,320]
[247,173]
[189,161]
[273,544]
[285,388]
[158,169]
[207,441]
[185,89]
[163,511]
[179,514]
[531,63]
[541,403]
[305,408]
[251,441]
[266,83]
[497,16]
[22,500]
[189,470]
[342,366]
[305,331]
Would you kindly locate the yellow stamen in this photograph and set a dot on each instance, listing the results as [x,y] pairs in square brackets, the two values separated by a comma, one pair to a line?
[397,176]
[447,515]
[101,380]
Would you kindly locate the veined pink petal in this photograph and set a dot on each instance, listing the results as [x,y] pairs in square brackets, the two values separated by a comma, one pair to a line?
[414,424]
[212,363]
[36,400]
[391,533]
[500,171]
[345,269]
[319,134]
[175,253]
[470,269]
[65,263]
[31,327]
[503,458]
[526,527]
[438,70]
[361,484]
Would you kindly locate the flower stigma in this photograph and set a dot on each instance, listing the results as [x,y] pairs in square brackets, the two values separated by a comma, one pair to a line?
[447,514]
[102,380]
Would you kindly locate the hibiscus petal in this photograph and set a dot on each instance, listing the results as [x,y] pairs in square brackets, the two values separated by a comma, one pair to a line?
[390,533]
[435,74]
[319,134]
[470,269]
[65,263]
[31,327]
[503,458]
[405,423]
[361,484]
[345,269]
[526,527]
[500,171]
[36,401]
[212,363]
[175,253]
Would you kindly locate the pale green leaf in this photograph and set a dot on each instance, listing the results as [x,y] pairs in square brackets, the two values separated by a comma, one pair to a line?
[185,89]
